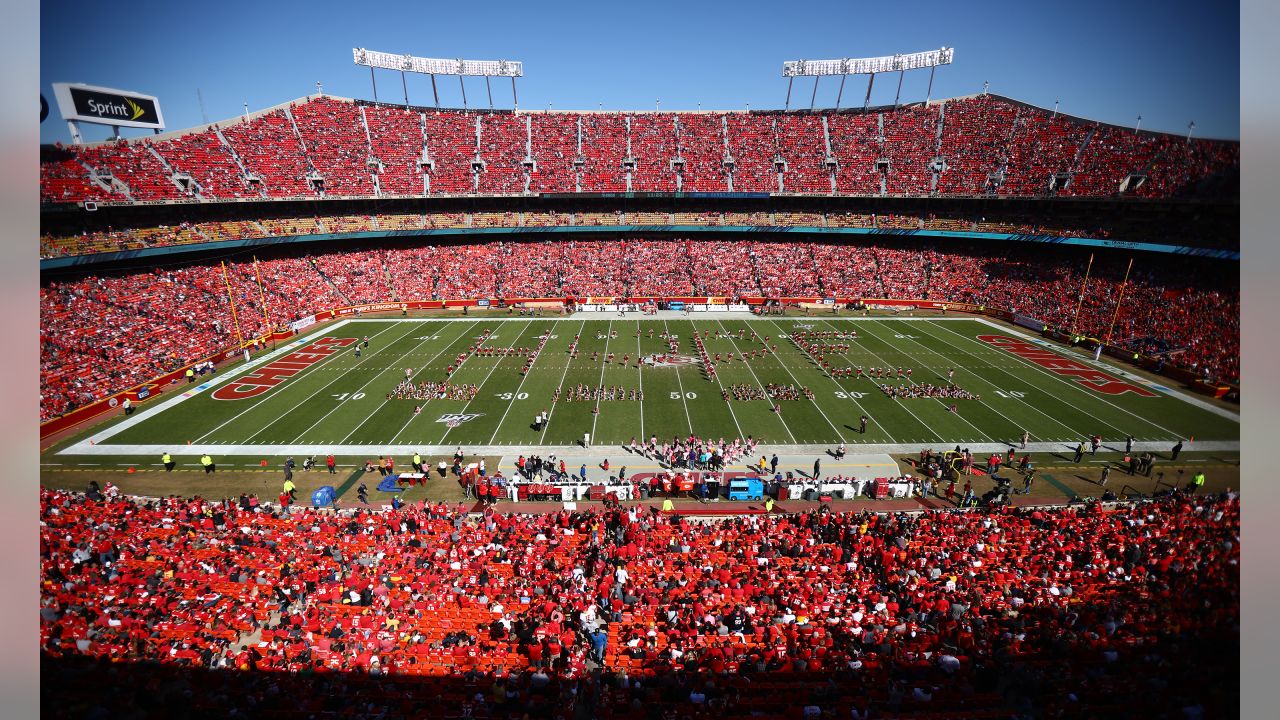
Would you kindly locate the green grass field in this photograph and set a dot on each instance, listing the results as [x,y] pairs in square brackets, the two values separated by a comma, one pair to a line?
[339,404]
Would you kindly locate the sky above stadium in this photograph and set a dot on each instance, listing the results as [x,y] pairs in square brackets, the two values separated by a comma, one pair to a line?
[1170,62]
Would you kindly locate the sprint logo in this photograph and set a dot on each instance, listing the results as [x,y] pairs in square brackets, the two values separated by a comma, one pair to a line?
[128,109]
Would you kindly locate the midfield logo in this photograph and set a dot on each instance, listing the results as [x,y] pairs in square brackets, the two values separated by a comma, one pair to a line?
[453,420]
[668,360]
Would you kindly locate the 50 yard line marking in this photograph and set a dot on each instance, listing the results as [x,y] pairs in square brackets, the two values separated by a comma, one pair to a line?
[640,373]
[271,395]
[567,363]
[667,328]
[516,394]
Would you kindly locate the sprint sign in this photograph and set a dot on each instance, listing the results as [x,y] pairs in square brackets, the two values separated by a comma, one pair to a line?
[268,376]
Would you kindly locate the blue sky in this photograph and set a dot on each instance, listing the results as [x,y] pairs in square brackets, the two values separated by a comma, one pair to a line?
[1171,62]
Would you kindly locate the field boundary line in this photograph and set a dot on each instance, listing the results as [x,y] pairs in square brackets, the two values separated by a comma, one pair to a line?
[144,414]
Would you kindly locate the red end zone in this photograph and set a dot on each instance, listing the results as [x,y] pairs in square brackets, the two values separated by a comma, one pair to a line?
[268,376]
[1091,378]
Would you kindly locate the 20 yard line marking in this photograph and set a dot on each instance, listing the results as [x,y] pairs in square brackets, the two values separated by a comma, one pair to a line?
[480,387]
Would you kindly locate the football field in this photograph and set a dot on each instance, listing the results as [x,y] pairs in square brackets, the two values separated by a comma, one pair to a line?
[315,396]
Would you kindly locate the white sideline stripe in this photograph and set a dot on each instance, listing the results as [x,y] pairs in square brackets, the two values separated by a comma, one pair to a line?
[1219,411]
[96,439]
[567,451]
[336,353]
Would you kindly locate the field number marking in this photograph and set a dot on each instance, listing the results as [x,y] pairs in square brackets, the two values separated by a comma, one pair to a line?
[687,396]
[349,396]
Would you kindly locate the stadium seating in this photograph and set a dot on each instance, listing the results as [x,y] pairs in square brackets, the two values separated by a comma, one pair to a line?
[1067,612]
[981,137]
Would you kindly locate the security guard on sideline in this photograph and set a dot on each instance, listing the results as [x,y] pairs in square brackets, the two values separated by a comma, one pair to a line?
[207,462]
[167,459]
[1197,482]
[417,462]
[191,375]
[667,505]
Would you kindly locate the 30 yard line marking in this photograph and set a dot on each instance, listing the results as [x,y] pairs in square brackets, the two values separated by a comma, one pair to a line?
[270,395]
[516,394]
[479,388]
[680,384]
[759,384]
[595,417]
[560,386]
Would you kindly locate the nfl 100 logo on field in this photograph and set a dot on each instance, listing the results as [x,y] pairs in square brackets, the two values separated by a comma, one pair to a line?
[453,420]
[668,360]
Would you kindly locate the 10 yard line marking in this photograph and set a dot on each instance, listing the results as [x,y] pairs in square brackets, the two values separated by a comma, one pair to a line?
[516,395]
[1078,388]
[667,328]
[552,411]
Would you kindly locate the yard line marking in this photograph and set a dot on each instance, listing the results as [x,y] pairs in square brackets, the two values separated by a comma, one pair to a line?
[785,426]
[899,402]
[843,389]
[271,395]
[814,401]
[336,379]
[563,374]
[516,394]
[479,388]
[640,372]
[595,417]
[414,327]
[1056,421]
[667,328]
[1081,389]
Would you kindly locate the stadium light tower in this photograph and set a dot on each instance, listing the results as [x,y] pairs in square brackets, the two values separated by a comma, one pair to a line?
[432,66]
[1191,127]
[900,64]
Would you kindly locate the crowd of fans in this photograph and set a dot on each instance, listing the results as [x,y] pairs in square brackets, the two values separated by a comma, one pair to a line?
[108,332]
[965,146]
[1086,611]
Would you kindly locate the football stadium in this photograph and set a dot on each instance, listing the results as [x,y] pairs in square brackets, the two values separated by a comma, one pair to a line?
[371,407]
